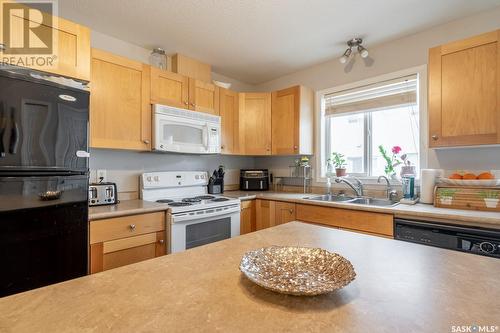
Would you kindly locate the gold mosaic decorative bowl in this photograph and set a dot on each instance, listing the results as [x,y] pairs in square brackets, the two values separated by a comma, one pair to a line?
[300,271]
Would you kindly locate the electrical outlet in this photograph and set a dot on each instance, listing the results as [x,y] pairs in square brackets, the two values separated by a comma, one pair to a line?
[101,175]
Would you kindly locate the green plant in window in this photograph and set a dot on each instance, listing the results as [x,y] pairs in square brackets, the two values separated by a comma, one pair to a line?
[338,160]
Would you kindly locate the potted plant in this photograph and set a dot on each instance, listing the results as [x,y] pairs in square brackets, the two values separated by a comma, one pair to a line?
[339,163]
[392,161]
[490,198]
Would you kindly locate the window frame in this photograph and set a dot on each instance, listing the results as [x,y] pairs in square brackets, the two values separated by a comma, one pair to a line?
[321,122]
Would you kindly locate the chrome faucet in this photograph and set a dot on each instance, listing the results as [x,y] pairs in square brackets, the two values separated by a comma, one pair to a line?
[392,194]
[358,188]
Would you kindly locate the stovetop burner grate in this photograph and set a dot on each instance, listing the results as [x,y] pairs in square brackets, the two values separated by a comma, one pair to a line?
[179,204]
[164,201]
[220,199]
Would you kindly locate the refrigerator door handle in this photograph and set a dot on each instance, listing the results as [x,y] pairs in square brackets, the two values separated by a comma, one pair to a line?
[3,127]
[14,132]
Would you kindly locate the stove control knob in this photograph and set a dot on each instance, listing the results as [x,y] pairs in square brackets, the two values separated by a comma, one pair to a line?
[157,179]
[487,247]
[148,178]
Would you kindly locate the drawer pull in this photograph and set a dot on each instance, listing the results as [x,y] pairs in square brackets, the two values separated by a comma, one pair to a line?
[132,227]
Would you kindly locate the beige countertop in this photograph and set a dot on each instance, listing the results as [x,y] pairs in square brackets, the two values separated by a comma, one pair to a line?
[418,211]
[124,208]
[400,287]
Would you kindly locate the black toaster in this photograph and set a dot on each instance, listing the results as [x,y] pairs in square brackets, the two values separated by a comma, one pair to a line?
[254,180]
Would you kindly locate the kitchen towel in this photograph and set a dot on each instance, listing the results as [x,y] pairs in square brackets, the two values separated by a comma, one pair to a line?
[428,179]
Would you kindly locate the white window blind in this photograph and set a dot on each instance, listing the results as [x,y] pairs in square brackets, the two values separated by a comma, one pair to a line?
[382,95]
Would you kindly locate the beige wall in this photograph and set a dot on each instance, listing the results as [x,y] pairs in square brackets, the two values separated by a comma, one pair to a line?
[407,52]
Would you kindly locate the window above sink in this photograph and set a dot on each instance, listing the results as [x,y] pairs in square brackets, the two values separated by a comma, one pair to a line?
[386,111]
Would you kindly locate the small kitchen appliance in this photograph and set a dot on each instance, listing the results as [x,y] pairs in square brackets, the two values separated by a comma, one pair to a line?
[196,218]
[254,180]
[103,194]
[185,131]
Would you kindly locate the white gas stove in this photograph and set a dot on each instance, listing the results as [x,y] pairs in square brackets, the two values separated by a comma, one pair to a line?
[198,218]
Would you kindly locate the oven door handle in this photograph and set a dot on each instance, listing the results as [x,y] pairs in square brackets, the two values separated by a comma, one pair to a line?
[209,212]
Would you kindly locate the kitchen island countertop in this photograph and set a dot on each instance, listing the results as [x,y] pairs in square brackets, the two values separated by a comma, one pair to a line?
[400,287]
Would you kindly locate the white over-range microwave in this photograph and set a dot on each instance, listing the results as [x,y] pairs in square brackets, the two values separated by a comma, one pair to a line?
[184,131]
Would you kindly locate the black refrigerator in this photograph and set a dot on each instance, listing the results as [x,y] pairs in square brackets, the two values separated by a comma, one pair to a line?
[43,180]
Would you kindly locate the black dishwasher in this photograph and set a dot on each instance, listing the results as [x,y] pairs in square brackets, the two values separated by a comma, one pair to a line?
[480,241]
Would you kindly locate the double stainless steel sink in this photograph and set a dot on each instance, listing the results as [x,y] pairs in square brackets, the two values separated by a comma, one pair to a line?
[368,201]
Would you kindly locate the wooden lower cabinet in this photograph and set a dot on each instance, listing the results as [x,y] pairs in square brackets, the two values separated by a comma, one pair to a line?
[126,240]
[284,212]
[247,217]
[355,220]
[271,213]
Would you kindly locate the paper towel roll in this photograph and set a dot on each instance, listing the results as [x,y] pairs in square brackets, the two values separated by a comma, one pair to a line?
[427,182]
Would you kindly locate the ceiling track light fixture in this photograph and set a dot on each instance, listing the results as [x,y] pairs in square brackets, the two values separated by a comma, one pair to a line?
[353,43]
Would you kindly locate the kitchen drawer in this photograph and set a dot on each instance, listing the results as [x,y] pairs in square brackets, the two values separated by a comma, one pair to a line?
[376,223]
[127,226]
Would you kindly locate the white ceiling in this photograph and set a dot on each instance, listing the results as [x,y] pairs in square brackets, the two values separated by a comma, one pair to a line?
[258,40]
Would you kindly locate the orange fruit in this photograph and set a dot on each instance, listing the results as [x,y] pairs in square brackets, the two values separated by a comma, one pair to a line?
[485,175]
[469,176]
[455,176]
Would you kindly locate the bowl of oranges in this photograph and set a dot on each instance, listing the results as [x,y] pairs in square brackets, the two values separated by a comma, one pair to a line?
[471,179]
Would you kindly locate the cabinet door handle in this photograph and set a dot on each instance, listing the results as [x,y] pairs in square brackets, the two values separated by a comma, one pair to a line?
[132,227]
[295,147]
[222,147]
[291,211]
[146,141]
[435,137]
[186,103]
[2,47]
[161,241]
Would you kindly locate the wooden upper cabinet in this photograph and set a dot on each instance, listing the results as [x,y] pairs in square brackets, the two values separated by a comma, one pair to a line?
[120,111]
[169,88]
[191,68]
[228,110]
[464,92]
[292,121]
[255,123]
[203,97]
[71,45]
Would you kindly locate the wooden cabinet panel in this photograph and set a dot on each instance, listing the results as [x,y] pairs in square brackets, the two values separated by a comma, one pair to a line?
[255,123]
[247,217]
[285,212]
[120,113]
[265,213]
[169,88]
[285,121]
[191,68]
[228,110]
[127,226]
[376,223]
[71,45]
[464,92]
[292,121]
[128,256]
[125,240]
[203,97]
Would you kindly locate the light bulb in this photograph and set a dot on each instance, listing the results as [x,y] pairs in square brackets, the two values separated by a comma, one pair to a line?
[345,56]
[362,51]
